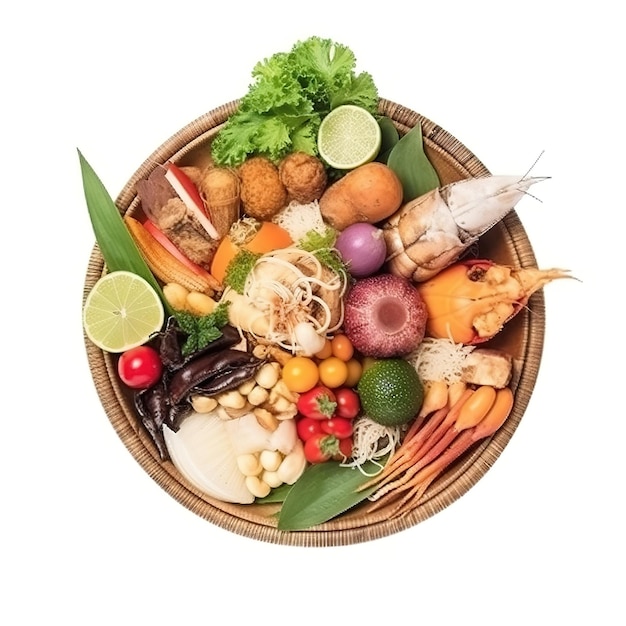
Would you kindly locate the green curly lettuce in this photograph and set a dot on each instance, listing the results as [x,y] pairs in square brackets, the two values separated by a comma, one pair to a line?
[292,92]
[322,246]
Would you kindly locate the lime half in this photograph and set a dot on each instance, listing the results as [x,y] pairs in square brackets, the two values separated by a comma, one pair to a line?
[349,136]
[122,311]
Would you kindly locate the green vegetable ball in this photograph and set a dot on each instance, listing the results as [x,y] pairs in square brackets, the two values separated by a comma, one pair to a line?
[391,392]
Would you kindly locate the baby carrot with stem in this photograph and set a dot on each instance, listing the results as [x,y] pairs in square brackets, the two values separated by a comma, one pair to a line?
[403,458]
[415,447]
[435,403]
[471,413]
[417,485]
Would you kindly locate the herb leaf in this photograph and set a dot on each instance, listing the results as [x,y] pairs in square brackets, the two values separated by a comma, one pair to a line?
[238,269]
[203,330]
[324,491]
[321,245]
[409,161]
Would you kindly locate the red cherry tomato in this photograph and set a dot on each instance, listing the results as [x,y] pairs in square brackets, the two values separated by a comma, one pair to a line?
[338,426]
[307,427]
[348,402]
[345,450]
[321,447]
[140,367]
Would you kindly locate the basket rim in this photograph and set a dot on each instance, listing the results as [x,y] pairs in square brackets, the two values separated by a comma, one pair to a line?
[336,532]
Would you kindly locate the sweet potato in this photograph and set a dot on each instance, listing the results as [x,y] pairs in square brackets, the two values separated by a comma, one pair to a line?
[369,193]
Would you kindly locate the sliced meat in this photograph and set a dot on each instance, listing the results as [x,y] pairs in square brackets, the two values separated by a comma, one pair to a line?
[168,212]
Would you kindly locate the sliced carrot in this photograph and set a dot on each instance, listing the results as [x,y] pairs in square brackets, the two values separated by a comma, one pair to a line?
[269,237]
[224,254]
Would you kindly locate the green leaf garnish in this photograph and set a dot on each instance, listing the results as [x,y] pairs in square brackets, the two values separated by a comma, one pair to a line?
[201,331]
[322,246]
[390,138]
[323,492]
[409,161]
[276,495]
[290,94]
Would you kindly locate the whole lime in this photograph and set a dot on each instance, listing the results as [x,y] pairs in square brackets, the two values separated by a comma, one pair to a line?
[391,392]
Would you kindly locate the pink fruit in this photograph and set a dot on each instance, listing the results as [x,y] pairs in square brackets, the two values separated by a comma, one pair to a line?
[385,316]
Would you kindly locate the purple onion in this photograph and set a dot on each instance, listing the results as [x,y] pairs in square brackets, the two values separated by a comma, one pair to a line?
[362,248]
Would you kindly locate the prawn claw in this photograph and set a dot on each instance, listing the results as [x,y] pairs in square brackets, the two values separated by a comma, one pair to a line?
[431,232]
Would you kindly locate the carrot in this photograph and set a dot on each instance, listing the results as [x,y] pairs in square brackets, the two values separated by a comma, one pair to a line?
[417,442]
[402,457]
[406,491]
[267,238]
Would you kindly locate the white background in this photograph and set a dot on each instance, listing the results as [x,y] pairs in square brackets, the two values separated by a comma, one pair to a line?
[87,536]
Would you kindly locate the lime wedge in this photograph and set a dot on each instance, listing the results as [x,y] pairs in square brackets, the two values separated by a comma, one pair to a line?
[122,311]
[349,136]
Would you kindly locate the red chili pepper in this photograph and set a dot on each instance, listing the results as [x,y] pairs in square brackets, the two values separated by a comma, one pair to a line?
[341,427]
[319,403]
[321,447]
[307,427]
[345,450]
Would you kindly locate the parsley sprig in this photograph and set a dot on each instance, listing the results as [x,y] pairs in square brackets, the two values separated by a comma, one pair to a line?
[203,330]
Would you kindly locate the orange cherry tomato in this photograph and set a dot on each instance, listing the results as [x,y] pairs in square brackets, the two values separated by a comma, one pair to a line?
[300,374]
[355,369]
[342,347]
[333,372]
[326,351]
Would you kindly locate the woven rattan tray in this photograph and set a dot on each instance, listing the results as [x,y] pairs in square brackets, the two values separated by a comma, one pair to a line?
[523,338]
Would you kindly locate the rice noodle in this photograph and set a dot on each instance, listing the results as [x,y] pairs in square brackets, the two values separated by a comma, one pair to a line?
[371,442]
[439,360]
[298,219]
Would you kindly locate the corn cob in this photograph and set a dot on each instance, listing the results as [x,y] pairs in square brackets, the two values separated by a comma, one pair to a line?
[164,265]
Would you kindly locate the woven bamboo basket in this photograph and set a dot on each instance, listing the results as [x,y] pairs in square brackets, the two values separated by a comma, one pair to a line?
[523,337]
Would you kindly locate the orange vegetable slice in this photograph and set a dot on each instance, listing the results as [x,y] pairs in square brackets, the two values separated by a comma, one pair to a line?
[269,237]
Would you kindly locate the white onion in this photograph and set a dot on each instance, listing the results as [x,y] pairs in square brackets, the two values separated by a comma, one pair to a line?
[247,435]
[202,451]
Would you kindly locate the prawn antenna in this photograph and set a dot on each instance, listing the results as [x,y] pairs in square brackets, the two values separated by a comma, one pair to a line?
[530,169]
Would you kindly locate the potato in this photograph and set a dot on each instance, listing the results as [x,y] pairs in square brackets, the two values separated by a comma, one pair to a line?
[369,193]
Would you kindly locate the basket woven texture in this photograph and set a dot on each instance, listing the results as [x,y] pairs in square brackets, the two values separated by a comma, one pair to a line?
[507,243]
